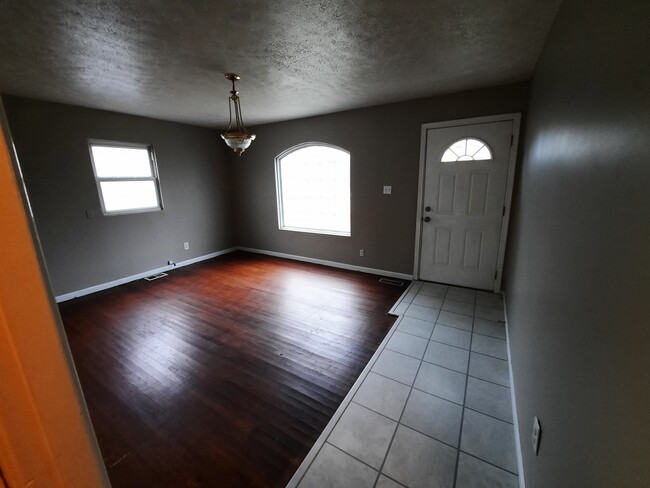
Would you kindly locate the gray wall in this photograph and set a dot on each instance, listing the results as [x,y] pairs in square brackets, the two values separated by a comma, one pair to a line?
[578,264]
[384,143]
[51,142]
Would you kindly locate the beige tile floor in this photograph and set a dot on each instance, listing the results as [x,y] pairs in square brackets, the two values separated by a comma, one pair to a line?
[433,407]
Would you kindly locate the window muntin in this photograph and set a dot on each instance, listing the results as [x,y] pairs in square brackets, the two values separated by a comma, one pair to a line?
[313,189]
[126,177]
[469,149]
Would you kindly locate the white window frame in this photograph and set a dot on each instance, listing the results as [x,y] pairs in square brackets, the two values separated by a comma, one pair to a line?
[154,175]
[278,190]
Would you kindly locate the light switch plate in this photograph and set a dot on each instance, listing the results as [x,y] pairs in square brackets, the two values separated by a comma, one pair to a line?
[388,190]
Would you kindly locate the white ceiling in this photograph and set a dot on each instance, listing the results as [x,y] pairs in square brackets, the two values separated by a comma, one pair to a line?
[166,58]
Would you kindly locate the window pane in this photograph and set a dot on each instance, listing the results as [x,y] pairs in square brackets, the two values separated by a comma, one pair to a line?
[315,187]
[473,146]
[484,153]
[129,195]
[459,147]
[449,156]
[466,150]
[125,162]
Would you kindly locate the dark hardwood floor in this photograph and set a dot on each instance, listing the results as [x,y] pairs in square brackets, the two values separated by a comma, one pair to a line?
[225,372]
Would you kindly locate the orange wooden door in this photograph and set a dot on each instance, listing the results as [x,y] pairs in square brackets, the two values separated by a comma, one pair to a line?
[46,439]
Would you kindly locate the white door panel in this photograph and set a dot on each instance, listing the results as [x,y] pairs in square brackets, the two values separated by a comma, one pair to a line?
[463,203]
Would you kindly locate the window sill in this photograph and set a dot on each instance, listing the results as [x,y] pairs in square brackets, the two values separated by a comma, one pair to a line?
[317,231]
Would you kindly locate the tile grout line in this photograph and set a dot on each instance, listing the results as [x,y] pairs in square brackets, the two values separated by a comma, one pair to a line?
[407,355]
[488,356]
[424,433]
[487,381]
[440,342]
[462,416]
[489,462]
[438,396]
[450,345]
[390,444]
[487,335]
[392,438]
[399,421]
[458,328]
[447,367]
[380,473]
[488,415]
[352,456]
[411,387]
[346,400]
[326,441]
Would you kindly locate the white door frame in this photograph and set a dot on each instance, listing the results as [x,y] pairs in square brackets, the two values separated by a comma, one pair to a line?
[516,123]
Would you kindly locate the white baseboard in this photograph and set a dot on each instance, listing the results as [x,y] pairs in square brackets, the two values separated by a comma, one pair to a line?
[127,279]
[139,276]
[332,264]
[515,417]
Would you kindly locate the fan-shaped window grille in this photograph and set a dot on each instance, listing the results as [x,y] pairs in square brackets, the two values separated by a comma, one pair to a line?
[467,150]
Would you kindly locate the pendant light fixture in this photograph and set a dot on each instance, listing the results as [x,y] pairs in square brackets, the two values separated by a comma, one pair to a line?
[237,137]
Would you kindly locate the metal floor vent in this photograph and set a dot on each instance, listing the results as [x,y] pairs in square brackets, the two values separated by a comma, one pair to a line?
[388,281]
[156,276]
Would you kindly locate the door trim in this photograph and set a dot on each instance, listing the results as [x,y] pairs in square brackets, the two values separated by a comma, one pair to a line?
[516,124]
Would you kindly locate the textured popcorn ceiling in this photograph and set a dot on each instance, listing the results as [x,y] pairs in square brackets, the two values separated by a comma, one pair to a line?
[166,58]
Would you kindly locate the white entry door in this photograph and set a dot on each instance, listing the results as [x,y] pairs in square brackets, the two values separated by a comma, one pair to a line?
[466,171]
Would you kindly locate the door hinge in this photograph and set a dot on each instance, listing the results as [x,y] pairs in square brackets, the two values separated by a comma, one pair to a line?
[503,213]
[496,273]
[512,140]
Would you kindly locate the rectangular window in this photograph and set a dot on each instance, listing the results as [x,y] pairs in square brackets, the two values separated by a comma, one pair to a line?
[126,177]
[313,188]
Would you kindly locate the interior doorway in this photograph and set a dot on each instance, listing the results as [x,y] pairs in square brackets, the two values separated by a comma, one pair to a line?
[465,190]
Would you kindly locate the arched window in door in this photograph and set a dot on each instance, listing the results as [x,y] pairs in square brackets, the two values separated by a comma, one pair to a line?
[469,149]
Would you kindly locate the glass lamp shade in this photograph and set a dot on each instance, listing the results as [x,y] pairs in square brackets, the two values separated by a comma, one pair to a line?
[238,141]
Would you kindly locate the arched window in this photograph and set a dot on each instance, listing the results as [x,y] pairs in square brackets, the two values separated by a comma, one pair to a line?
[313,189]
[467,150]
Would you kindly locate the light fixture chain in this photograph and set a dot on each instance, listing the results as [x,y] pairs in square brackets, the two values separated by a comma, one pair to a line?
[229,114]
[238,138]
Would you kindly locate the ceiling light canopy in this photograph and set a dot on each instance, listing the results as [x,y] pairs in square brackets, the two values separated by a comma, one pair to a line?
[237,137]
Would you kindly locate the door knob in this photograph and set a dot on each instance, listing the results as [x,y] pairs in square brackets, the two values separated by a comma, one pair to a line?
[427,219]
[427,209]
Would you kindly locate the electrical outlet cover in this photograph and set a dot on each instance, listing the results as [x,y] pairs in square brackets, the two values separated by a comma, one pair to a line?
[537,432]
